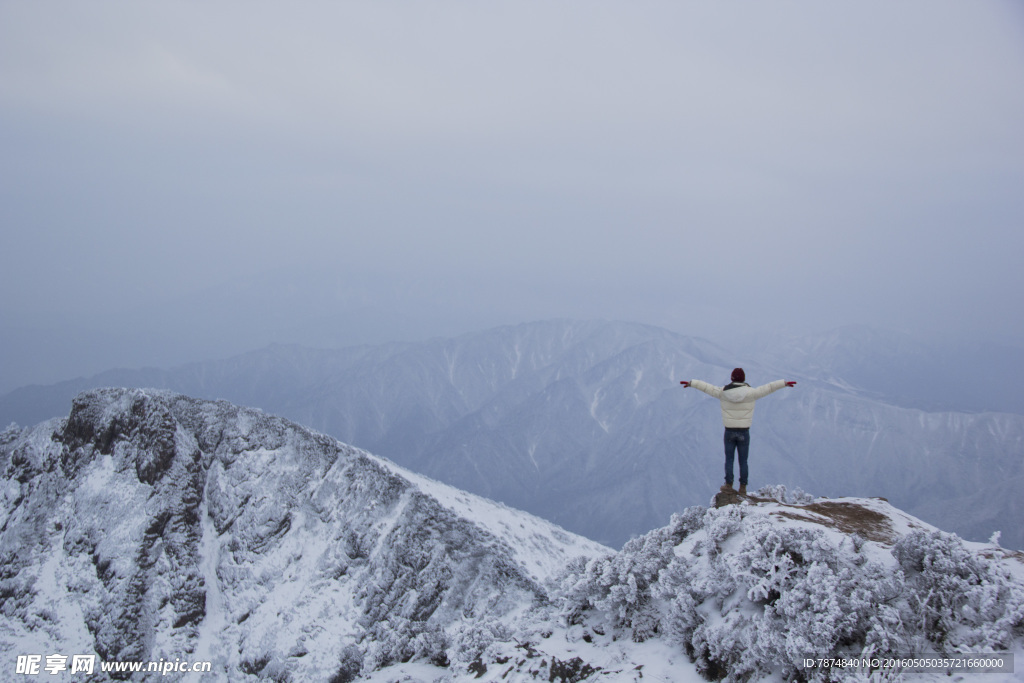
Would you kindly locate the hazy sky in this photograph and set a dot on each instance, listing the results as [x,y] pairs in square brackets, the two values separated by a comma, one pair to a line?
[189,179]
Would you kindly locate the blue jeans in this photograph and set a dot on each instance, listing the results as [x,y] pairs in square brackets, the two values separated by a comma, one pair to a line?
[736,441]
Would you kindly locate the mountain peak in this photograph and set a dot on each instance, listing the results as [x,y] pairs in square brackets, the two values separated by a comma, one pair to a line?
[751,590]
[872,519]
[147,525]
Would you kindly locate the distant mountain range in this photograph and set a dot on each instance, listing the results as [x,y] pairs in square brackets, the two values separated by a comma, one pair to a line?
[585,424]
[149,529]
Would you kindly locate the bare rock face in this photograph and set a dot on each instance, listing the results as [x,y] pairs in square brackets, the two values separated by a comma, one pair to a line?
[723,498]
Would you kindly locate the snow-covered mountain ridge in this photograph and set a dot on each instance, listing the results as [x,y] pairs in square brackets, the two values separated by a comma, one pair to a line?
[149,525]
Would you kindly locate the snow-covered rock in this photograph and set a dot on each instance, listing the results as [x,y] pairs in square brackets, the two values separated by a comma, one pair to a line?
[752,591]
[150,526]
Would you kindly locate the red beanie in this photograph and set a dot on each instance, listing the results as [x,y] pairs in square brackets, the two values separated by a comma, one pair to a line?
[738,376]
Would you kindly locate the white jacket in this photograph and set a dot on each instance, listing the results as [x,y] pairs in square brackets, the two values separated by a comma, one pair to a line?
[738,400]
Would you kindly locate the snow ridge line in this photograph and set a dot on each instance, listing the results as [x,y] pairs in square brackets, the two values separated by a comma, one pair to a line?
[214,620]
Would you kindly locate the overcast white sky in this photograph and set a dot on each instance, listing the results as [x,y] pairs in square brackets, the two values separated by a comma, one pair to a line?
[184,180]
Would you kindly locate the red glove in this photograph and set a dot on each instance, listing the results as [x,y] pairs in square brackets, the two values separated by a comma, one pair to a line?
[685,384]
[790,384]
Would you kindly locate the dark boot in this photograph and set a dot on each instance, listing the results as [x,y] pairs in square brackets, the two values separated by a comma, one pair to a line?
[743,489]
[727,488]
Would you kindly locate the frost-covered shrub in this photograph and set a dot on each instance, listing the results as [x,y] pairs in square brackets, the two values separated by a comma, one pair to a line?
[621,584]
[8,436]
[956,598]
[780,493]
[398,639]
[754,597]
[778,595]
[472,638]
[349,665]
[683,524]
[719,525]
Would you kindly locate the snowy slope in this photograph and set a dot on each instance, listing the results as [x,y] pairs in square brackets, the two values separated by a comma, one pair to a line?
[751,590]
[541,548]
[148,525]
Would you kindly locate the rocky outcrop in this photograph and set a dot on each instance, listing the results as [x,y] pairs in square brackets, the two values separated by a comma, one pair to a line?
[148,524]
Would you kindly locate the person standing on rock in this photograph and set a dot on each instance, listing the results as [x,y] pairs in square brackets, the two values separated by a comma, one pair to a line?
[737,413]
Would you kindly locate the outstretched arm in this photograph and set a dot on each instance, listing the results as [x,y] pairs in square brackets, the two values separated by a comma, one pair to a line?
[765,389]
[709,389]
